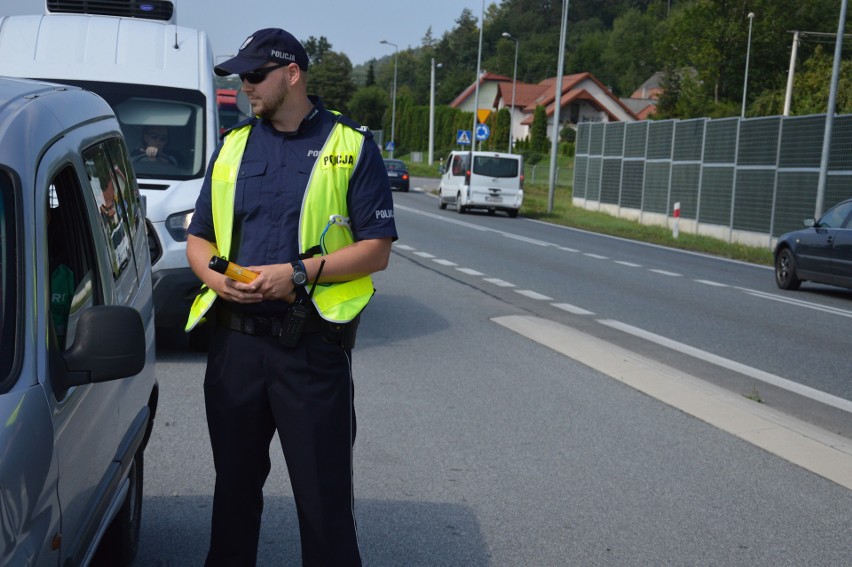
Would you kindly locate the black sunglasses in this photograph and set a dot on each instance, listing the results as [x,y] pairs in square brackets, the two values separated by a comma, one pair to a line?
[259,75]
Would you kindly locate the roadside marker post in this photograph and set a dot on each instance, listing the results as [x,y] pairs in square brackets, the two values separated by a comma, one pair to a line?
[676,215]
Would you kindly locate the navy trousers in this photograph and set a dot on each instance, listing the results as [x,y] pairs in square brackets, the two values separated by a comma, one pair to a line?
[253,387]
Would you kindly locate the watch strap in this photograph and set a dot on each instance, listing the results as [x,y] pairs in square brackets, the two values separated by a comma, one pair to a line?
[300,276]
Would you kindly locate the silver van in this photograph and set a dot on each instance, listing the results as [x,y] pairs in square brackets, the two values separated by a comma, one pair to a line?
[495,182]
[78,391]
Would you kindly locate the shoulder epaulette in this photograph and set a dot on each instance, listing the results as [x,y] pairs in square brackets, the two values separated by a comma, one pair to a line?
[346,121]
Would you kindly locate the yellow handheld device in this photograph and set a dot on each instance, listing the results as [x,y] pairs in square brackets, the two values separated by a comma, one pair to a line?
[231,270]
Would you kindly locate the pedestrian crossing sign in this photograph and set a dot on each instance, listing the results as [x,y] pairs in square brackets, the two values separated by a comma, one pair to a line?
[463,137]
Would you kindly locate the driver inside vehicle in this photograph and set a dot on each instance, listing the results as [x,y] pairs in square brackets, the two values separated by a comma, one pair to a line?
[153,149]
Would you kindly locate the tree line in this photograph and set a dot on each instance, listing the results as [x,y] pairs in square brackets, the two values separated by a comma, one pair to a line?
[699,45]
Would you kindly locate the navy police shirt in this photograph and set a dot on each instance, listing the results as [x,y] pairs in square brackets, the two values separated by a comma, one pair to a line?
[270,186]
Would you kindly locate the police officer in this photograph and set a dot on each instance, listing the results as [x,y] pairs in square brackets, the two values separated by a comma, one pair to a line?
[299,195]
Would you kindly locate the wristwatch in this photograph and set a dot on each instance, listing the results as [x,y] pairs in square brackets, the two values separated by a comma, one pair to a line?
[300,277]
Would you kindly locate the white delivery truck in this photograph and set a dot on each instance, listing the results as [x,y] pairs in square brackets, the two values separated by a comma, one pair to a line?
[158,78]
[494,182]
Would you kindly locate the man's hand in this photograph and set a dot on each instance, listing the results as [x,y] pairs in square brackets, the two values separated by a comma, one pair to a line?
[274,282]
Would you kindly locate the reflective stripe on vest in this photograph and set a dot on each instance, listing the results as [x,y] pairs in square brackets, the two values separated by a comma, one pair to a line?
[338,302]
[223,183]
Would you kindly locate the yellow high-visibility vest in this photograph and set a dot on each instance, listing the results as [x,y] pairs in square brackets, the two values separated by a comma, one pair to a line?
[323,219]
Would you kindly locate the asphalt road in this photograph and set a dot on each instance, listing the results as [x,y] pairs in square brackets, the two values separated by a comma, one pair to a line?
[676,302]
[478,446]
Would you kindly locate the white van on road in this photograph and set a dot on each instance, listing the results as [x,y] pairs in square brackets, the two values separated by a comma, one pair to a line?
[495,182]
[152,73]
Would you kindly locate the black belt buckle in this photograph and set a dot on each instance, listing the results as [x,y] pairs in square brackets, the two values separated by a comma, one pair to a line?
[248,325]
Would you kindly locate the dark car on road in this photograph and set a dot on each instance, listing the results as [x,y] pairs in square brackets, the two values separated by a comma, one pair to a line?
[820,253]
[397,174]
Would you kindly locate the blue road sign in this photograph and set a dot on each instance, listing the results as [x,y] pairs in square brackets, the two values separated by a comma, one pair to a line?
[482,132]
[390,146]
[463,137]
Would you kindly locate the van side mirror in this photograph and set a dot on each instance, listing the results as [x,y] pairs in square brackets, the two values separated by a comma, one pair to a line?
[109,343]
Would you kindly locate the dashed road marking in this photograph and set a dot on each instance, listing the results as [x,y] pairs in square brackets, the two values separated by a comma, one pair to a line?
[499,282]
[666,273]
[533,294]
[572,309]
[711,283]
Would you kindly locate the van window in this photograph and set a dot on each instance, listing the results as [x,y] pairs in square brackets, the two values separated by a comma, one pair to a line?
[111,197]
[180,112]
[9,307]
[459,164]
[493,166]
[72,266]
[127,186]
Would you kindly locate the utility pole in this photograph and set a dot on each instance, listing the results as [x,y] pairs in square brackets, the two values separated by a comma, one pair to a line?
[829,115]
[554,146]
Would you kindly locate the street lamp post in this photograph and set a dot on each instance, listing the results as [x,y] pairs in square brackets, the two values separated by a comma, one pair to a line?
[476,90]
[432,112]
[393,104]
[514,83]
[748,53]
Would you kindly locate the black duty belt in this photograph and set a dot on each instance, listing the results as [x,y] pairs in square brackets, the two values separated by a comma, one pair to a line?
[257,325]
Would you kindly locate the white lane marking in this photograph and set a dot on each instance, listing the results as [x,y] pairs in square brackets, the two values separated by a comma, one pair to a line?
[798,302]
[649,244]
[470,272]
[526,239]
[711,283]
[424,254]
[749,371]
[444,218]
[499,282]
[595,256]
[533,294]
[572,309]
[451,220]
[444,262]
[808,446]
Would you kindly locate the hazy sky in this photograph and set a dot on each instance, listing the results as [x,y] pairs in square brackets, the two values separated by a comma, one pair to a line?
[352,27]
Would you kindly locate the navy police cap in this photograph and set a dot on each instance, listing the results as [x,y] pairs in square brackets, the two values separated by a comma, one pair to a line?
[266,45]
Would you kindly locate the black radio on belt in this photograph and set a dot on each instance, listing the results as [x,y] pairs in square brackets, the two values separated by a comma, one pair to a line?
[297,314]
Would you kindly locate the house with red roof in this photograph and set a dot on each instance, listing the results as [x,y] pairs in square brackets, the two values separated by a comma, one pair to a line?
[583,98]
[643,101]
